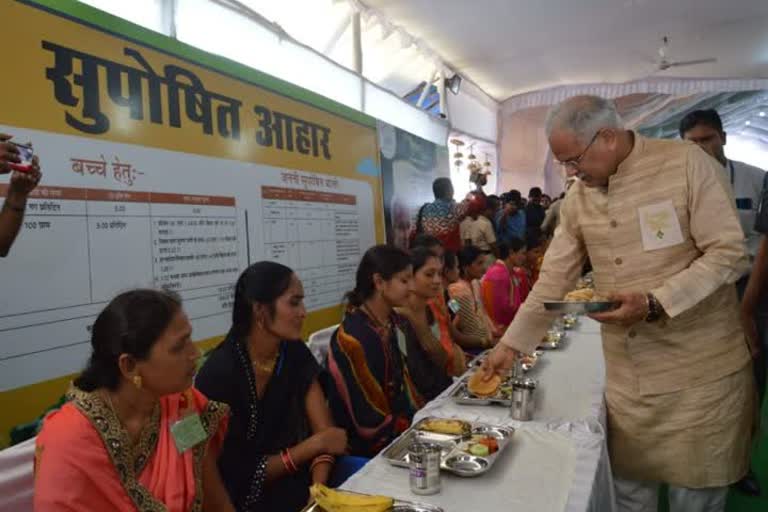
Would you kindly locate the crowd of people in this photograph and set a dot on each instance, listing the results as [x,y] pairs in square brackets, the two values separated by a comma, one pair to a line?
[261,420]
[483,221]
[264,420]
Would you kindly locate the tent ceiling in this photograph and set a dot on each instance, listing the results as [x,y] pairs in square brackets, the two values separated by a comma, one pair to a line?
[741,113]
[509,47]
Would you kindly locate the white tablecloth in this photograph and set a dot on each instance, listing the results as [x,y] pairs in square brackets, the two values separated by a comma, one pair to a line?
[558,462]
[570,390]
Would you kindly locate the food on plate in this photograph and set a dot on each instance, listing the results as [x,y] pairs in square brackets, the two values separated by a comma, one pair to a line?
[481,446]
[479,449]
[442,426]
[580,295]
[480,387]
[530,360]
[583,295]
[332,500]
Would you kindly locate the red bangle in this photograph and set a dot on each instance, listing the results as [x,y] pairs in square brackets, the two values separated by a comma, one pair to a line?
[285,455]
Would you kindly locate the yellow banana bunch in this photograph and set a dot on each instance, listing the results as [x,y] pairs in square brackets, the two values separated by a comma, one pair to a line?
[338,501]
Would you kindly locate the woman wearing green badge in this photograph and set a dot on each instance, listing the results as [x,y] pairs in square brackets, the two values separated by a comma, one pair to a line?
[135,436]
[281,436]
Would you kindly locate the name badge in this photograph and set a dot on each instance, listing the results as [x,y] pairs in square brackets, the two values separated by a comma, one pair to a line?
[454,306]
[188,432]
[435,330]
[659,226]
[401,344]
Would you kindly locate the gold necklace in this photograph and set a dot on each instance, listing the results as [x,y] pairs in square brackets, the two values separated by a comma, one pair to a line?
[134,439]
[266,367]
[376,320]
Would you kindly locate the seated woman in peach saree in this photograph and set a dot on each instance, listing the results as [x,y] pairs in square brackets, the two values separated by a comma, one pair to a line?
[135,436]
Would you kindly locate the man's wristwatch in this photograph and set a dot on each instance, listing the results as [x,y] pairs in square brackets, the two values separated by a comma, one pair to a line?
[655,309]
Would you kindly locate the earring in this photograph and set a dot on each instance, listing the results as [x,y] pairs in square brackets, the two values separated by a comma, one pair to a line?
[137,381]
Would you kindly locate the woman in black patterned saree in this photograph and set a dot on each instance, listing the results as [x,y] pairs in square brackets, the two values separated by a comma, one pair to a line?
[281,435]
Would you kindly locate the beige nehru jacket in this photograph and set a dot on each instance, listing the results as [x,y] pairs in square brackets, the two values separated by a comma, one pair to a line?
[690,267]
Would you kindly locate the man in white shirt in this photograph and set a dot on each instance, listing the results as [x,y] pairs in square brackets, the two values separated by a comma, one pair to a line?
[478,230]
[705,128]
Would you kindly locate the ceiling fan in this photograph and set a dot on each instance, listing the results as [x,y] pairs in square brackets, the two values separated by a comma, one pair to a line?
[664,63]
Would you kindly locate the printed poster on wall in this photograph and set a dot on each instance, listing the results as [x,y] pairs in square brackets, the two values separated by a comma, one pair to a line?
[409,165]
[163,171]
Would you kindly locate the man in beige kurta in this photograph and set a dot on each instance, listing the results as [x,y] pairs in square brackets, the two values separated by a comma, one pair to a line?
[660,228]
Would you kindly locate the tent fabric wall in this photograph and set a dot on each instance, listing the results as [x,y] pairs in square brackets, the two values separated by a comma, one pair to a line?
[522,150]
[473,113]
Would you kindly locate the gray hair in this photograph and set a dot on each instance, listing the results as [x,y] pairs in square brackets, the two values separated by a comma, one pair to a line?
[583,116]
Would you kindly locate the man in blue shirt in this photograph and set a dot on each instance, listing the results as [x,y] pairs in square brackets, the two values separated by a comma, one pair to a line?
[510,220]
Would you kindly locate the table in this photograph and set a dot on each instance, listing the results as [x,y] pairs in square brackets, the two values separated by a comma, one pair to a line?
[558,462]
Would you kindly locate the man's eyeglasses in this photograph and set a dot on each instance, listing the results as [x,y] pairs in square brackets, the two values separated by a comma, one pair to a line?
[573,163]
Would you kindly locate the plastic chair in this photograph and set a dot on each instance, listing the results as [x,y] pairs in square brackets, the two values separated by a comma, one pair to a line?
[344,468]
[319,341]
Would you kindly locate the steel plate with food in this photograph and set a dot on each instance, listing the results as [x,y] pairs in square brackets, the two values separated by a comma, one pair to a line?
[469,454]
[529,362]
[332,500]
[570,321]
[581,301]
[552,340]
[472,390]
[580,308]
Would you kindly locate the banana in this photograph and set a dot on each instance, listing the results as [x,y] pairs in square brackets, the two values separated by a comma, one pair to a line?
[338,501]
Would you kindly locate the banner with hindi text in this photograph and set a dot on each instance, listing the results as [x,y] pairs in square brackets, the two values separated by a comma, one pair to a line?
[163,166]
